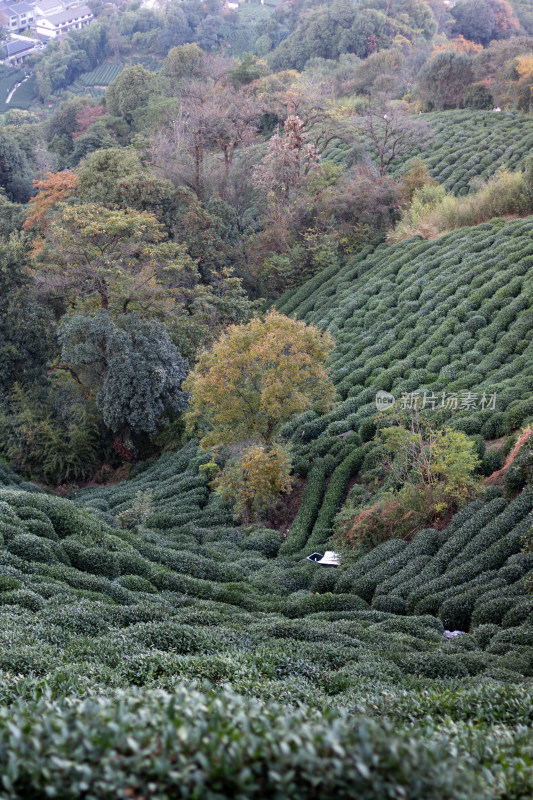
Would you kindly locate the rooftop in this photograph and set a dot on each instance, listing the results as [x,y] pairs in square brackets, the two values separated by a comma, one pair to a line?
[18,46]
[68,16]
[48,5]
[16,8]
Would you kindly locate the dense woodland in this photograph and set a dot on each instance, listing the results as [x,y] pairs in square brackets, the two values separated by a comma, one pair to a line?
[224,232]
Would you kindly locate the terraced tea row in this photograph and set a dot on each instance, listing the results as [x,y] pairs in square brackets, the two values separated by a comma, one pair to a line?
[444,325]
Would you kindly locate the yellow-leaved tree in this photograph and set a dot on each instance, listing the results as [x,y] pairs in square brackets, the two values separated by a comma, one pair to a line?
[256,479]
[254,378]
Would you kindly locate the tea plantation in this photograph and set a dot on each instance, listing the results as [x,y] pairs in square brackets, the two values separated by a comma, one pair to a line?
[151,648]
[451,316]
[466,146]
[191,658]
[470,145]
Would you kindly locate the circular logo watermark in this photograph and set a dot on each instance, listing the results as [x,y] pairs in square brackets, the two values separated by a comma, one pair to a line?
[384,400]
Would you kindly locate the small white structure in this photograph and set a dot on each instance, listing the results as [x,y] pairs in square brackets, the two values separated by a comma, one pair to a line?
[329,559]
[54,25]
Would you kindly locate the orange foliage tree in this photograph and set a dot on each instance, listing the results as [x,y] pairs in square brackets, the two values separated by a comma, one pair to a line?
[460,45]
[54,189]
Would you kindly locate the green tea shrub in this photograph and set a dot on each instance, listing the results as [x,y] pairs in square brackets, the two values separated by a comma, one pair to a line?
[367,562]
[324,580]
[129,562]
[492,461]
[389,602]
[511,638]
[456,612]
[266,542]
[435,665]
[492,611]
[9,583]
[23,598]
[9,530]
[32,548]
[420,766]
[307,511]
[333,497]
[367,430]
[519,661]
[483,634]
[521,612]
[136,583]
[300,605]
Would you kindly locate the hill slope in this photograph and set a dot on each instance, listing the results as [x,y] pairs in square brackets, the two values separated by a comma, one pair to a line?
[453,315]
[470,145]
[467,145]
[100,627]
[183,656]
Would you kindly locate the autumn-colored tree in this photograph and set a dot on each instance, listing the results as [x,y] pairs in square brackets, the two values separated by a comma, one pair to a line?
[256,479]
[505,22]
[54,189]
[85,117]
[120,260]
[484,20]
[524,67]
[391,132]
[214,119]
[459,45]
[256,376]
[524,88]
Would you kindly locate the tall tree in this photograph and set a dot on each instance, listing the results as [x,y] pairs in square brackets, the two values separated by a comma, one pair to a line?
[392,132]
[443,80]
[214,118]
[484,20]
[25,327]
[258,375]
[129,363]
[288,162]
[55,188]
[129,92]
[114,259]
[15,172]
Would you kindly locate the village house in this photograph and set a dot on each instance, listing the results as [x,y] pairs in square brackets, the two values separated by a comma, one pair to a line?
[54,23]
[17,48]
[16,16]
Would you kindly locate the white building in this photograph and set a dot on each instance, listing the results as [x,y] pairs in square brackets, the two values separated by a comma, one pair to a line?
[58,23]
[16,16]
[44,8]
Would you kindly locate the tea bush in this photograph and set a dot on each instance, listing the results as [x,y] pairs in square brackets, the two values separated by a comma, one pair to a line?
[180,656]
[460,282]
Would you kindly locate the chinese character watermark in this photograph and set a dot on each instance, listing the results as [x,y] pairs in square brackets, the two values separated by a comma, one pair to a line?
[416,401]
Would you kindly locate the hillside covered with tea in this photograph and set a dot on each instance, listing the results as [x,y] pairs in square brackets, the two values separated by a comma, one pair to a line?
[266,405]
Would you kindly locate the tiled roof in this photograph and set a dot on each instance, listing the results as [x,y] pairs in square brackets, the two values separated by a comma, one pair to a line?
[68,16]
[18,46]
[17,8]
[48,5]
